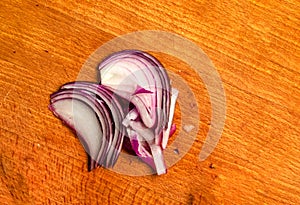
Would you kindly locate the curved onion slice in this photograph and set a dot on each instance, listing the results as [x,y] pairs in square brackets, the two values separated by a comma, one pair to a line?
[126,72]
[141,79]
[95,116]
[116,109]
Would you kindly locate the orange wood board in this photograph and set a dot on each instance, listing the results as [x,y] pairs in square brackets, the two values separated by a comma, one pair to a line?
[255,47]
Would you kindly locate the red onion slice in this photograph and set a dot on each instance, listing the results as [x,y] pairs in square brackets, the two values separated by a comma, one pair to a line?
[95,117]
[141,79]
[167,131]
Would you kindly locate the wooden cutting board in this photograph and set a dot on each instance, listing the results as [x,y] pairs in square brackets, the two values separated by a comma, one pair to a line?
[255,47]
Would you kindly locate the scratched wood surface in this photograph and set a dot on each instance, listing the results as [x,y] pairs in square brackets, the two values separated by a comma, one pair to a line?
[255,46]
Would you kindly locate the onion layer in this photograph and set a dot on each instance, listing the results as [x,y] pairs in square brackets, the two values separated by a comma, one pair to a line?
[95,116]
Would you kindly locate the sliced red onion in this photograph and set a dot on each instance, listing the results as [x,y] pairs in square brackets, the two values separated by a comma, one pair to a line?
[125,72]
[141,148]
[170,130]
[62,108]
[115,106]
[135,96]
[141,79]
[96,116]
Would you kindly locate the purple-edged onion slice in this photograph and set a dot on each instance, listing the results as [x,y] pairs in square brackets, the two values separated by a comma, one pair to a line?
[95,116]
[141,79]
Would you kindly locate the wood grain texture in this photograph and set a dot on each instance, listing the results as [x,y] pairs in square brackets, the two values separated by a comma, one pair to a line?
[255,46]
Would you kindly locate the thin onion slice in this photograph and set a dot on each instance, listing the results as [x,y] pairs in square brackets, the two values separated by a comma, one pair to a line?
[114,105]
[142,80]
[96,118]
